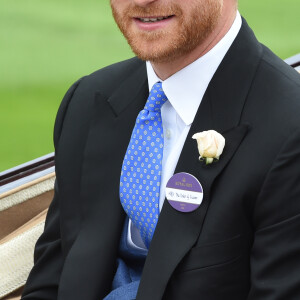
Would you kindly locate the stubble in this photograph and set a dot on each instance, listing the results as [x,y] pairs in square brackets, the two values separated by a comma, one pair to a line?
[168,44]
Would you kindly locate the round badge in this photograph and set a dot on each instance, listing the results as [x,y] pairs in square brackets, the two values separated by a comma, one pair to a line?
[184,192]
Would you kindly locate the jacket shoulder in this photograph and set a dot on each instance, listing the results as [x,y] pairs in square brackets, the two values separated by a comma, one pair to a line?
[77,104]
[275,92]
[107,79]
[279,68]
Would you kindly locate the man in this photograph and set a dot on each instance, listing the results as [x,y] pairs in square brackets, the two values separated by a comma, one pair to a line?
[205,71]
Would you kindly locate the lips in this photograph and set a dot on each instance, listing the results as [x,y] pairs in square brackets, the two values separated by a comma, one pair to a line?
[152,23]
[153,19]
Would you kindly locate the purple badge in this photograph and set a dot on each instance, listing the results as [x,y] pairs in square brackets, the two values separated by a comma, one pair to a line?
[184,192]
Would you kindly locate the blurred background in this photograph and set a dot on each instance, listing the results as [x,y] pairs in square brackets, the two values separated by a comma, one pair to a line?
[47,45]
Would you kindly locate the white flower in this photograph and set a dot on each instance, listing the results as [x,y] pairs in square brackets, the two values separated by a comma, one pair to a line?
[210,145]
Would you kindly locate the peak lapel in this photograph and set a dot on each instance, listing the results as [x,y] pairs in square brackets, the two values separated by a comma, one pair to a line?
[177,232]
[130,90]
[221,110]
[96,246]
[232,82]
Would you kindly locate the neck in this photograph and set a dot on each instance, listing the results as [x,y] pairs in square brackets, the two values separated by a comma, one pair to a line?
[166,69]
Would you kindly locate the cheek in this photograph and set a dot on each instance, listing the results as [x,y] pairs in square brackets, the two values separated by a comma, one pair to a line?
[118,6]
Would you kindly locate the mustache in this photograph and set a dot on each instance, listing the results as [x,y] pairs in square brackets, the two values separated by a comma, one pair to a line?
[153,10]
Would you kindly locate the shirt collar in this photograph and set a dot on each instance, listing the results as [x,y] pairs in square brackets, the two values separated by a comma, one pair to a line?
[185,89]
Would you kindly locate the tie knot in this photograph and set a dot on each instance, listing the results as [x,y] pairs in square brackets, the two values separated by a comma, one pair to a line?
[156,98]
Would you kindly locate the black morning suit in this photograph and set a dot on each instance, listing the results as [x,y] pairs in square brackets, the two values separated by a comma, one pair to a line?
[243,243]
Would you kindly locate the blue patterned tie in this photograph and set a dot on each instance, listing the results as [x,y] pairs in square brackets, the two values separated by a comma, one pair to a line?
[141,170]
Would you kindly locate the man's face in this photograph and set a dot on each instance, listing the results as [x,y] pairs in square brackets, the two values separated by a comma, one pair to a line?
[165,30]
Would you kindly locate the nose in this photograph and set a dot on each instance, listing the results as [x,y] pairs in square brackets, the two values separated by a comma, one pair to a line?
[143,3]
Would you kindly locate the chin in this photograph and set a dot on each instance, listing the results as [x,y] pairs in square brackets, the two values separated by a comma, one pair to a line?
[158,51]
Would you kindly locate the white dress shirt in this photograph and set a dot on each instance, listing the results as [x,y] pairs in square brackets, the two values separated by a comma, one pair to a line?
[184,90]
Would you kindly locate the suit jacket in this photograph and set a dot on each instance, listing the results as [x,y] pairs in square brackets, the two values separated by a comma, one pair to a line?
[242,242]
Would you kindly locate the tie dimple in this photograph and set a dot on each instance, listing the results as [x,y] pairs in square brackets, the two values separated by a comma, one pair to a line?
[141,169]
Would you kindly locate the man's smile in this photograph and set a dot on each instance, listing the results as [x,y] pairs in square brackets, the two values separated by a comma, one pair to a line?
[158,30]
[153,19]
[151,23]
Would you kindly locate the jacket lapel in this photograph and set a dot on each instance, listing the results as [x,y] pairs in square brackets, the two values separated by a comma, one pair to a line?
[221,110]
[96,247]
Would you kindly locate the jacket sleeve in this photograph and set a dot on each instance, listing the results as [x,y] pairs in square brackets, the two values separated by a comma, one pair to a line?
[43,280]
[275,256]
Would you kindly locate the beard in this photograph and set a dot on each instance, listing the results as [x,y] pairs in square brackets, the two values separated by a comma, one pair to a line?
[174,41]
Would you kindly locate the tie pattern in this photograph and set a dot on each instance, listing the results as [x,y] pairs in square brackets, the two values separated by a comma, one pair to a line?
[141,169]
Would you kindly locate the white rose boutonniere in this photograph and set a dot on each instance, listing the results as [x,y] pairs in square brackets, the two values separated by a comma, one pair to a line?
[210,145]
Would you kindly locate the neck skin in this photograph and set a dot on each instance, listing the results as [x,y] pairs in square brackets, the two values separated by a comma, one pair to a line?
[166,69]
